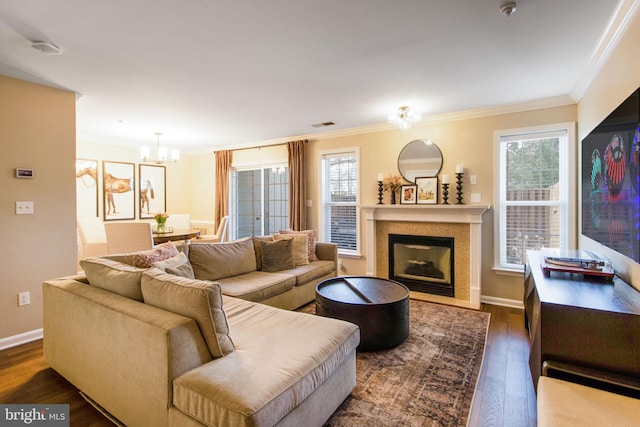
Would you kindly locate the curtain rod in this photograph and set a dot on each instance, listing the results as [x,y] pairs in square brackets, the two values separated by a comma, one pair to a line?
[262,146]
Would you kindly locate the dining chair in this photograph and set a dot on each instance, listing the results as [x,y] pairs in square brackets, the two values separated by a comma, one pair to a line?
[125,237]
[92,237]
[221,233]
[179,221]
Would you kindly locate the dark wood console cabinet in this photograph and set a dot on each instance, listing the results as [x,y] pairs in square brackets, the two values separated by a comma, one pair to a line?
[582,326]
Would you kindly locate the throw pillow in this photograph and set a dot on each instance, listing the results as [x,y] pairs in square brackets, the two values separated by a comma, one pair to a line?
[300,253]
[117,277]
[311,241]
[197,299]
[257,246]
[213,261]
[277,255]
[145,259]
[178,265]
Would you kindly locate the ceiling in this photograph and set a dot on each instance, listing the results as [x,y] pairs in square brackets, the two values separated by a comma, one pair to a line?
[211,74]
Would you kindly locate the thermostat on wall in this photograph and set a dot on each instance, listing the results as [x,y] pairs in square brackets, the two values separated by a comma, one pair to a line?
[24,173]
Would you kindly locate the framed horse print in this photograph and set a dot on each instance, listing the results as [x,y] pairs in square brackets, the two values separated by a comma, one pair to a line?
[153,198]
[118,185]
[87,188]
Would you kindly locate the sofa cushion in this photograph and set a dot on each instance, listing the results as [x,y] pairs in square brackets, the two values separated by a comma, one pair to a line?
[197,299]
[117,277]
[277,255]
[311,241]
[300,249]
[213,261]
[144,259]
[313,270]
[257,285]
[257,246]
[270,374]
[178,265]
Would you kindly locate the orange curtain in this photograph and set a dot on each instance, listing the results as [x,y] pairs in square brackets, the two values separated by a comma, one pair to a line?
[223,165]
[297,185]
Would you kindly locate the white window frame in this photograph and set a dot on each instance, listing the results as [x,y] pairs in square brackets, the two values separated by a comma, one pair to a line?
[322,153]
[568,185]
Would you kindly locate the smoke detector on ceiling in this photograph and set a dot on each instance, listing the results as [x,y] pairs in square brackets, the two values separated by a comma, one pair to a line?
[508,8]
[46,47]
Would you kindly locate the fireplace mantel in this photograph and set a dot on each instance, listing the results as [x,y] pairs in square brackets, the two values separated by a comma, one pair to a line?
[461,214]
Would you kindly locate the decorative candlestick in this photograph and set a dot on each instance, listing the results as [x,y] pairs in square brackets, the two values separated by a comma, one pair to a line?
[445,194]
[459,187]
[380,193]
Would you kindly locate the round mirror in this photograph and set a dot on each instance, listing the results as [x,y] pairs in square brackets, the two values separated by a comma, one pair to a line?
[419,158]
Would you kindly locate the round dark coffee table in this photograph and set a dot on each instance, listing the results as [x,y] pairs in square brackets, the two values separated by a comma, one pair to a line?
[380,307]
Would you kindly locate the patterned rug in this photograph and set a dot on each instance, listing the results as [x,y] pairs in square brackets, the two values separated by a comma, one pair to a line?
[428,380]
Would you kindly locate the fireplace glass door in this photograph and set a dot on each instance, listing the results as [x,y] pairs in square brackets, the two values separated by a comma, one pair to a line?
[422,263]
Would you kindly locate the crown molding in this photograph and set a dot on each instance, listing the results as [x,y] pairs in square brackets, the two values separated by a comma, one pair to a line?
[557,101]
[622,17]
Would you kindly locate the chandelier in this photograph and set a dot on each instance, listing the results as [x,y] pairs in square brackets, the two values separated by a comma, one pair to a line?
[405,117]
[163,154]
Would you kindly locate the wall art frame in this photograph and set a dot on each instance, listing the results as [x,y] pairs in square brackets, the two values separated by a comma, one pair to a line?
[152,190]
[427,190]
[408,194]
[87,188]
[118,189]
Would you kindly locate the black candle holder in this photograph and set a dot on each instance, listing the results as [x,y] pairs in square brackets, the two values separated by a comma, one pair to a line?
[380,193]
[445,194]
[459,187]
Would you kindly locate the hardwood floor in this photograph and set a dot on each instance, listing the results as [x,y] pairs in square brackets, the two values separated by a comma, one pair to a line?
[504,396]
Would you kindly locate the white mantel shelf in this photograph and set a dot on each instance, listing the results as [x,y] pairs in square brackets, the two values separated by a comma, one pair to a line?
[425,213]
[457,214]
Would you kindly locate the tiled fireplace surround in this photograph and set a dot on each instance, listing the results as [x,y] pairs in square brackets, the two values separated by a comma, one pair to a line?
[462,222]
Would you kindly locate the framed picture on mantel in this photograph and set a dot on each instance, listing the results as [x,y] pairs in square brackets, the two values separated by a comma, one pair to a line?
[427,191]
[408,195]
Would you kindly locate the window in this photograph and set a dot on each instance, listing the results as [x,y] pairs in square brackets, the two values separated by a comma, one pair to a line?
[340,200]
[535,192]
[260,201]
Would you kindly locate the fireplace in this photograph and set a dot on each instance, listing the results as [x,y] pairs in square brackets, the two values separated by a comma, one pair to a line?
[422,263]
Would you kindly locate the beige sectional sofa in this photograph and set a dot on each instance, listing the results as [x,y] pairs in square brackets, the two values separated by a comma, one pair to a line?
[157,349]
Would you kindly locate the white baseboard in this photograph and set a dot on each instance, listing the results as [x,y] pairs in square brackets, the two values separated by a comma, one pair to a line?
[20,339]
[513,303]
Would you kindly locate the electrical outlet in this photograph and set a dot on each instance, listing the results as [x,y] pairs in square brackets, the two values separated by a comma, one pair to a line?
[24,298]
[24,208]
[476,197]
[474,179]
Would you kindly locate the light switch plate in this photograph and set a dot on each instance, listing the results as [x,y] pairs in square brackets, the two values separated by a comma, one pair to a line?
[476,197]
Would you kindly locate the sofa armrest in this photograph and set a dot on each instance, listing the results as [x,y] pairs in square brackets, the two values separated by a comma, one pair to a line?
[117,350]
[327,251]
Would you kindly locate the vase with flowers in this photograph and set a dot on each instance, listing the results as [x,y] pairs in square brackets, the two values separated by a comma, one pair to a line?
[161,221]
[392,183]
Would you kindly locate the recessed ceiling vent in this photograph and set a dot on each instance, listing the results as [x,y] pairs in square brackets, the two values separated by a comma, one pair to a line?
[320,125]
[46,47]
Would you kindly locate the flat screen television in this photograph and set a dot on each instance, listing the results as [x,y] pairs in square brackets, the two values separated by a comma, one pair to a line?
[610,180]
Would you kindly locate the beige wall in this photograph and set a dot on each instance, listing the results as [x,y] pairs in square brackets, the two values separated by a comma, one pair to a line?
[37,131]
[617,79]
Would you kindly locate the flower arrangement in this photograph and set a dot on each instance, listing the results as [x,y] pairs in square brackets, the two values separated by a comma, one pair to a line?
[161,217]
[392,182]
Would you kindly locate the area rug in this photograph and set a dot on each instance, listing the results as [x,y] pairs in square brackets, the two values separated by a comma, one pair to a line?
[429,380]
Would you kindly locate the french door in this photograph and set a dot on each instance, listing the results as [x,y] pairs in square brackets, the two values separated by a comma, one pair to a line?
[260,201]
